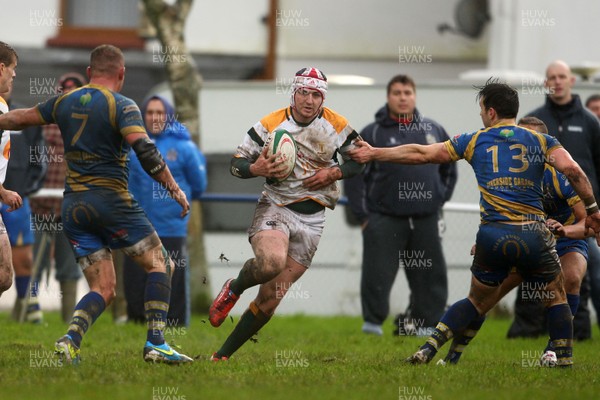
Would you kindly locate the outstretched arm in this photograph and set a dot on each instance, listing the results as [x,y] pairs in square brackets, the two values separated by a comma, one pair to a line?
[17,120]
[21,118]
[563,162]
[406,154]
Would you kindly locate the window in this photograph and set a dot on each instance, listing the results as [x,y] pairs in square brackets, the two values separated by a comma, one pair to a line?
[88,23]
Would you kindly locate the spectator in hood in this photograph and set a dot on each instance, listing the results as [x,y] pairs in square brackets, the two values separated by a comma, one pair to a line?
[188,166]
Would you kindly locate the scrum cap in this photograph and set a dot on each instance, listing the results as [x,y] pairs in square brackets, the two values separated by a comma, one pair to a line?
[309,78]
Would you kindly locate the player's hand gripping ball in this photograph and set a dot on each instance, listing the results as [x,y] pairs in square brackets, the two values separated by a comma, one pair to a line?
[284,146]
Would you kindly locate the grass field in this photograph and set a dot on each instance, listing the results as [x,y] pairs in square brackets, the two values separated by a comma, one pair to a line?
[295,357]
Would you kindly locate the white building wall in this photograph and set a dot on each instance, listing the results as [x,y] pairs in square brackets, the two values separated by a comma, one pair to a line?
[309,28]
[536,32]
[29,23]
[523,35]
[376,30]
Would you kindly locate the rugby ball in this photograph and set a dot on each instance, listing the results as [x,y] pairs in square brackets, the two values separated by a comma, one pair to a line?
[283,145]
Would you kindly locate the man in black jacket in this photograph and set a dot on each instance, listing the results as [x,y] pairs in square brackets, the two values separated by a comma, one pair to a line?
[593,104]
[399,208]
[578,130]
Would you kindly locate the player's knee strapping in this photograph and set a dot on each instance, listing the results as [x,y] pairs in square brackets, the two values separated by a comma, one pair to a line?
[90,259]
[167,260]
[146,244]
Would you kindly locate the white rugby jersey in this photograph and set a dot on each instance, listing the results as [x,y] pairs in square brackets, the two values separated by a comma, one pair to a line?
[316,143]
[4,144]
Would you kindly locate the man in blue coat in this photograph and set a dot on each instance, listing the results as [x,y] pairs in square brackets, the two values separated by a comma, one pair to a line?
[188,167]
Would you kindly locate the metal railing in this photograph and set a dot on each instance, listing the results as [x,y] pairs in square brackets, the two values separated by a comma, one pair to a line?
[252,198]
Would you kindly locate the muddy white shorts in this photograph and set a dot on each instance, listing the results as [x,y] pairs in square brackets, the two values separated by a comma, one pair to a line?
[303,230]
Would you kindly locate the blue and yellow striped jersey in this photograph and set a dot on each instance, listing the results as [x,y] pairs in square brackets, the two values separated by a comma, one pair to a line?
[94,122]
[509,163]
[559,196]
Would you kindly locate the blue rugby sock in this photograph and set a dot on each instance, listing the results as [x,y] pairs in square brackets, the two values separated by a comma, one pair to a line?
[22,284]
[573,300]
[156,305]
[560,327]
[463,339]
[86,312]
[455,319]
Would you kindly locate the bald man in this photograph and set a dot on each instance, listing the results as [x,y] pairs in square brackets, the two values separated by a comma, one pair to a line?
[578,130]
[99,126]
